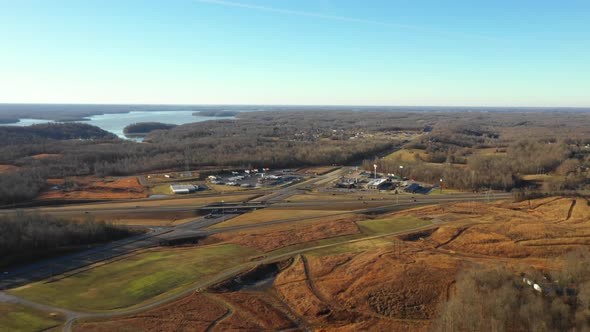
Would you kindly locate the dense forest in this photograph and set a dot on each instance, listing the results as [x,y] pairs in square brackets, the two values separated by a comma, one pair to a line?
[555,141]
[45,133]
[23,236]
[499,300]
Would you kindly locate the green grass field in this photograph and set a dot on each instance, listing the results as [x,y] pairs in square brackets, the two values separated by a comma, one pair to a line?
[136,279]
[271,214]
[161,189]
[406,154]
[398,224]
[352,247]
[16,318]
[220,188]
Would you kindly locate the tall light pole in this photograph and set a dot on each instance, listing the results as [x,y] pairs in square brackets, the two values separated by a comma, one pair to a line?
[375,167]
[401,171]
[441,185]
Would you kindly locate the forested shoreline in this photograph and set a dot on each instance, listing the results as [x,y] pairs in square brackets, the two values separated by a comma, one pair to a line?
[144,128]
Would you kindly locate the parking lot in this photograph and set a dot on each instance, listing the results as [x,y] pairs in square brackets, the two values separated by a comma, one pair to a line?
[255,178]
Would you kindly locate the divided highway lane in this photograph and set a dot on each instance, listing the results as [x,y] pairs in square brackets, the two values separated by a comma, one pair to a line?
[143,205]
[394,206]
[401,199]
[299,188]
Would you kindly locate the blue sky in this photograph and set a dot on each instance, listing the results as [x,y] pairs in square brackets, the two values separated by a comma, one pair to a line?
[330,52]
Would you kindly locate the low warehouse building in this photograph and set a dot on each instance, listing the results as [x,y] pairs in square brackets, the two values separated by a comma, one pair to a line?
[183,188]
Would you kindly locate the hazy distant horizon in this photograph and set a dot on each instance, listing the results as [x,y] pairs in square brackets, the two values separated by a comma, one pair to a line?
[284,106]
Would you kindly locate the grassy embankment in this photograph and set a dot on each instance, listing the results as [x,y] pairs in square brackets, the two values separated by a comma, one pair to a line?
[178,202]
[406,154]
[271,214]
[161,189]
[17,318]
[137,279]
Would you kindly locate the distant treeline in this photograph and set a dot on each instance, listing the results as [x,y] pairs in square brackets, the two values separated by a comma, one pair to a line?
[216,113]
[259,140]
[143,128]
[447,152]
[488,171]
[44,133]
[24,236]
[304,138]
[11,113]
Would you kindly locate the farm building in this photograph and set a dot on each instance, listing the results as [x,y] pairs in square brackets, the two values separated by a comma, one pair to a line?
[183,188]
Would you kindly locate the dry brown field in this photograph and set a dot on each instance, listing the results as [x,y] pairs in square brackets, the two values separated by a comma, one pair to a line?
[392,283]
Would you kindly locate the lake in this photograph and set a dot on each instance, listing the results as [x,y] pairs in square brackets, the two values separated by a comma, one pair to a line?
[116,122]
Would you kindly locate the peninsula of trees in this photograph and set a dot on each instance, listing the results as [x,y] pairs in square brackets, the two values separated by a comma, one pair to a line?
[144,128]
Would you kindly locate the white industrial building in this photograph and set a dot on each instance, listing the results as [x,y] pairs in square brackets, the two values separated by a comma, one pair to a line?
[183,188]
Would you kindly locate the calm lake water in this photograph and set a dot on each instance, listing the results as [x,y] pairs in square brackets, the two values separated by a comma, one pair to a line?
[116,122]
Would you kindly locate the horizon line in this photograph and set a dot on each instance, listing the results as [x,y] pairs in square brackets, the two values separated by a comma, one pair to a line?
[283,105]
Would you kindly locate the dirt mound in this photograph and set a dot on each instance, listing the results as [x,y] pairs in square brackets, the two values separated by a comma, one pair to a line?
[4,169]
